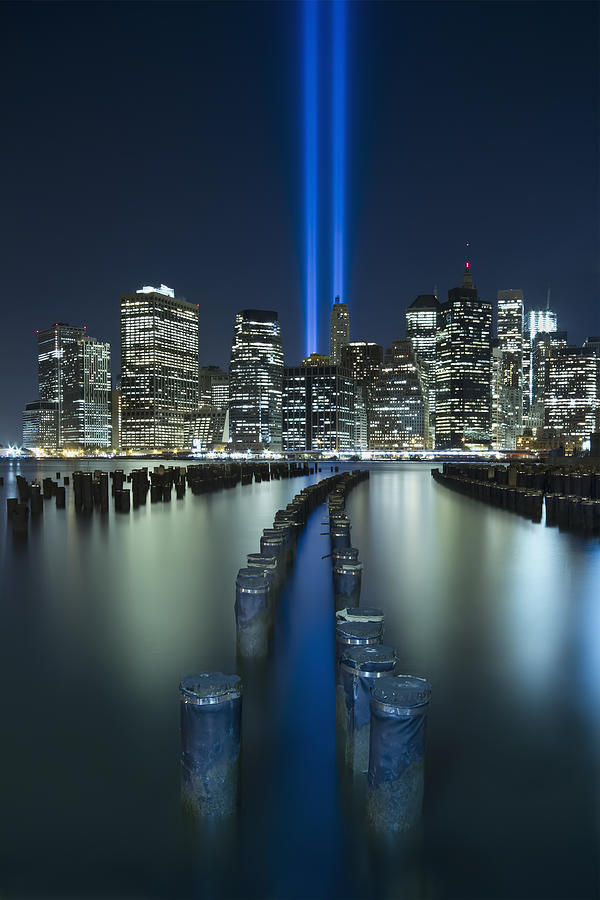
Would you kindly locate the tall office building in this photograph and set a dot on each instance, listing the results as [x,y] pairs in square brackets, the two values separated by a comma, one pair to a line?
[422,319]
[318,409]
[510,321]
[398,414]
[463,370]
[508,423]
[116,413]
[339,330]
[159,368]
[214,387]
[572,394]
[536,321]
[86,404]
[256,381]
[74,375]
[40,426]
[55,366]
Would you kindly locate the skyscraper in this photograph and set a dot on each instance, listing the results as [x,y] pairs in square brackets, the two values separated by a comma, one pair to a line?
[256,381]
[159,368]
[363,360]
[74,375]
[509,424]
[214,387]
[40,426]
[572,395]
[398,414]
[86,403]
[422,319]
[56,374]
[463,371]
[339,330]
[318,408]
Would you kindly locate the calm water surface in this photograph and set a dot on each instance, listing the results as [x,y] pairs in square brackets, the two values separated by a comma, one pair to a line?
[102,616]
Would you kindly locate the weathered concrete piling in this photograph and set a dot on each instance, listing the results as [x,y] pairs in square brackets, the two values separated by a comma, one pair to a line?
[399,705]
[269,565]
[347,579]
[355,634]
[19,519]
[252,612]
[36,501]
[360,667]
[211,716]
[60,498]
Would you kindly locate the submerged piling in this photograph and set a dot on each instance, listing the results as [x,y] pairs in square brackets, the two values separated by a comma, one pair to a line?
[211,716]
[252,612]
[399,705]
[360,668]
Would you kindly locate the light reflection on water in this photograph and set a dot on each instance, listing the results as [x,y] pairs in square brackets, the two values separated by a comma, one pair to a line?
[101,617]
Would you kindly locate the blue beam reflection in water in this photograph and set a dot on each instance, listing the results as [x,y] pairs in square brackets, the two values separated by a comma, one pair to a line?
[100,618]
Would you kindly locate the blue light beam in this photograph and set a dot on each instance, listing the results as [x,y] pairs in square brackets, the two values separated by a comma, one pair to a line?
[310,170]
[338,144]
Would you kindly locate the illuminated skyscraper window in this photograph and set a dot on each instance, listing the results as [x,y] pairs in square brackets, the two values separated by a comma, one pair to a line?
[340,330]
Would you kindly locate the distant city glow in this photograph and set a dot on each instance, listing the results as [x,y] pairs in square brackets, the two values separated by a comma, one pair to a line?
[338,144]
[310,13]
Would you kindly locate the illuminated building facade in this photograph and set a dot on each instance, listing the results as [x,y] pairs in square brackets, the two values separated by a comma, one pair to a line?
[572,394]
[116,413]
[74,376]
[541,351]
[56,373]
[256,381]
[339,331]
[214,387]
[86,415]
[422,320]
[398,408]
[507,372]
[40,426]
[363,359]
[463,369]
[159,368]
[207,427]
[318,409]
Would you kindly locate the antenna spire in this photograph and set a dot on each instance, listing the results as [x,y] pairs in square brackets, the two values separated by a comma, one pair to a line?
[548,296]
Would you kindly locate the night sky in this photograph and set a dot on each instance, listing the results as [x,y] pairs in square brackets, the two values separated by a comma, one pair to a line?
[147,143]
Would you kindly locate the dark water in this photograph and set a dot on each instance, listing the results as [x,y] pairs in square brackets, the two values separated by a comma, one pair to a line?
[101,617]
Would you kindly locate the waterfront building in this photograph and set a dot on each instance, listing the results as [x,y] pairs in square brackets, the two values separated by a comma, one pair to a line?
[86,414]
[56,373]
[593,343]
[115,412]
[318,409]
[510,321]
[159,368]
[40,426]
[213,387]
[536,321]
[256,381]
[74,376]
[422,320]
[543,346]
[463,369]
[207,427]
[339,330]
[362,407]
[572,394]
[363,360]
[398,406]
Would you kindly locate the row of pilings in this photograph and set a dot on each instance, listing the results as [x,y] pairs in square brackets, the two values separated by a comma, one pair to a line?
[381,714]
[211,702]
[571,495]
[91,491]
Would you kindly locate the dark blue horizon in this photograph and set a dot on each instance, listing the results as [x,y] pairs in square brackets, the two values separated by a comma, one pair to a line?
[150,142]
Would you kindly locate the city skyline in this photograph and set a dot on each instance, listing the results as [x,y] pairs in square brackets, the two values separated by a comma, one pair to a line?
[507,159]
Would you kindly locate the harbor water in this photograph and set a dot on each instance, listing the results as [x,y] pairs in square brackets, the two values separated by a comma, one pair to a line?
[102,615]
